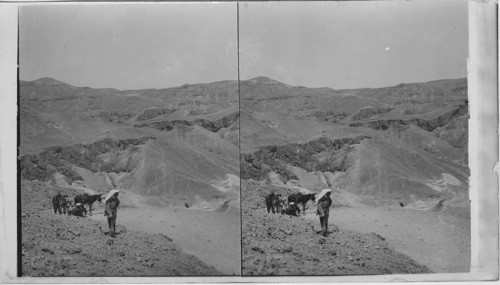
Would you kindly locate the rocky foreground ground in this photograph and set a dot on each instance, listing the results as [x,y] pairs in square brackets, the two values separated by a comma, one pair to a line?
[276,244]
[61,245]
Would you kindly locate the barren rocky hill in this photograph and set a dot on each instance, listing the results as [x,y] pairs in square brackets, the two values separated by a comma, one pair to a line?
[275,244]
[61,245]
[164,149]
[396,149]
[165,146]
[405,143]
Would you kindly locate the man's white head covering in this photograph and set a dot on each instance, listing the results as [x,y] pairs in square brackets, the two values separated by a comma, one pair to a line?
[110,194]
[321,194]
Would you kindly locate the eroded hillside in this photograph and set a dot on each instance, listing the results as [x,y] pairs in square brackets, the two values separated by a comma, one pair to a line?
[175,146]
[408,142]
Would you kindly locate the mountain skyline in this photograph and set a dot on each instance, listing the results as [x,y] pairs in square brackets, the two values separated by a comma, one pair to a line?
[52,80]
[316,44]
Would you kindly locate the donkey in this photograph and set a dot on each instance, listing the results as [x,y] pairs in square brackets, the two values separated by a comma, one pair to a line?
[300,198]
[88,199]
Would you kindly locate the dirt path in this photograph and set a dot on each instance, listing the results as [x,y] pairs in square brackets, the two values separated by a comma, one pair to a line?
[438,240]
[212,237]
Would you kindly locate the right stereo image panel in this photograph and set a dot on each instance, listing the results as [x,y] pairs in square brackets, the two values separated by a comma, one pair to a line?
[354,138]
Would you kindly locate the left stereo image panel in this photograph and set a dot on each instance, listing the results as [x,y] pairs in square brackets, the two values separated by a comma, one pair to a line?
[129,131]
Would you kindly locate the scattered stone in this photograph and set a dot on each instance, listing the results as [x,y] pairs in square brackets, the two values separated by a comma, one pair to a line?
[258,249]
[46,249]
[77,250]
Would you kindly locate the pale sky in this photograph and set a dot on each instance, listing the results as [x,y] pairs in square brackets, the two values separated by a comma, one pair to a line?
[314,44]
[129,46]
[354,44]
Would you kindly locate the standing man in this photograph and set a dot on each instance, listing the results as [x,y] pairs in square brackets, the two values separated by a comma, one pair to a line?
[110,210]
[269,202]
[63,204]
[55,203]
[276,203]
[324,203]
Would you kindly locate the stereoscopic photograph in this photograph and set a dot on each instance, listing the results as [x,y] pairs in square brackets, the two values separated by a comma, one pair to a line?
[128,153]
[249,141]
[354,138]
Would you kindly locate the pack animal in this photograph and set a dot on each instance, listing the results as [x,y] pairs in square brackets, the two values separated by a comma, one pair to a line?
[79,211]
[300,198]
[88,199]
[292,210]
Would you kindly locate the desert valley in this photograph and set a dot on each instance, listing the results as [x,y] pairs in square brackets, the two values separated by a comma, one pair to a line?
[173,153]
[395,158]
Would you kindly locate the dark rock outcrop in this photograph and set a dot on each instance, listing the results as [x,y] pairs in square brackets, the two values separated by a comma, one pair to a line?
[213,126]
[275,158]
[425,124]
[60,159]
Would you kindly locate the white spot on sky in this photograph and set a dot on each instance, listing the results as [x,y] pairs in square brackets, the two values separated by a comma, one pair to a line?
[387,48]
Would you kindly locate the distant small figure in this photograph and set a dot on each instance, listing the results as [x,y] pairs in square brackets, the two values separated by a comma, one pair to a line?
[324,203]
[63,204]
[60,203]
[71,204]
[186,205]
[111,210]
[55,203]
[78,211]
[292,210]
[276,204]
[269,202]
[401,204]
[283,204]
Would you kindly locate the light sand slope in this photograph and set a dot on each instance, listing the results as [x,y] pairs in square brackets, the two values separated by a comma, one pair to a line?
[212,237]
[437,240]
